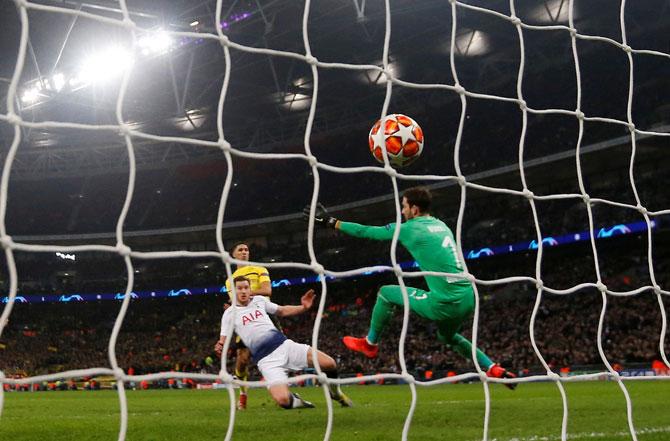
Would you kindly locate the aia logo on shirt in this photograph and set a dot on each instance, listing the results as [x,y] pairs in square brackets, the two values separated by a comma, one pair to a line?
[248,318]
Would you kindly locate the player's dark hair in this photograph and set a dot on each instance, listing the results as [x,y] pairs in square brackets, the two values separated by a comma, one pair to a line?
[237,244]
[241,279]
[419,196]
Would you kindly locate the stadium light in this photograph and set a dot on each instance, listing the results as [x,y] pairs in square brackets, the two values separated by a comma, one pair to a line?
[377,77]
[293,101]
[471,42]
[57,81]
[154,43]
[194,119]
[551,11]
[30,95]
[103,66]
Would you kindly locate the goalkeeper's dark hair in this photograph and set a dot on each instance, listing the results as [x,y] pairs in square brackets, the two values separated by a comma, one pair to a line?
[241,279]
[419,196]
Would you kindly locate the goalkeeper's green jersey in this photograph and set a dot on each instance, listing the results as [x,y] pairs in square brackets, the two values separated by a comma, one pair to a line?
[432,245]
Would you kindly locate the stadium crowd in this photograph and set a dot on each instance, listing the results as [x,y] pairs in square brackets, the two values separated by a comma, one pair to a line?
[178,333]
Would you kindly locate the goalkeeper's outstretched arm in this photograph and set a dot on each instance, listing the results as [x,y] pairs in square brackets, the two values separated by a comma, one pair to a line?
[322,218]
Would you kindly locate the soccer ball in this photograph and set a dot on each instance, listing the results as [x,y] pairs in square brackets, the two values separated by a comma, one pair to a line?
[402,136]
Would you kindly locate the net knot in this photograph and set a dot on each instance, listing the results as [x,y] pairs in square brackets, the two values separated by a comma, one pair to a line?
[123,249]
[408,378]
[528,194]
[553,376]
[318,268]
[7,241]
[522,105]
[461,180]
[631,127]
[573,32]
[224,145]
[657,289]
[601,286]
[539,284]
[459,89]
[642,209]
[226,377]
[516,21]
[223,39]
[580,115]
[13,118]
[586,198]
[627,48]
[119,374]
[313,162]
[124,129]
[225,255]
[311,59]
[390,171]
[397,270]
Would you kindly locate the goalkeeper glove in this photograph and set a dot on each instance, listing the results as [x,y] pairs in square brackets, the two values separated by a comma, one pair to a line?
[321,216]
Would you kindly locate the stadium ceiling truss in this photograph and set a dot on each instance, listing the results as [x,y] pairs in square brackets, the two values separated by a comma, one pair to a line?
[287,128]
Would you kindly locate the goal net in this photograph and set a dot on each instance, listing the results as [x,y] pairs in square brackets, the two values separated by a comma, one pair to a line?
[558,18]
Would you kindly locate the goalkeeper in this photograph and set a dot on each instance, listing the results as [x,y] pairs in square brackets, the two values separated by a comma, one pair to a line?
[450,300]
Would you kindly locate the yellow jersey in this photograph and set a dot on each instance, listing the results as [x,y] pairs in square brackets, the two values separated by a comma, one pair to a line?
[256,275]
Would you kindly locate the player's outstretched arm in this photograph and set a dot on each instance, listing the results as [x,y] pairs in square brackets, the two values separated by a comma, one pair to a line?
[218,347]
[306,303]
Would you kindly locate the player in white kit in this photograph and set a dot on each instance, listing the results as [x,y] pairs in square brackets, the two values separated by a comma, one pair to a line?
[273,352]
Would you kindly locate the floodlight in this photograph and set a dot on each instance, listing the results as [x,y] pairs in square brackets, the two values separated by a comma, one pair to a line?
[551,11]
[377,77]
[155,43]
[103,66]
[57,81]
[293,101]
[194,119]
[471,42]
[30,95]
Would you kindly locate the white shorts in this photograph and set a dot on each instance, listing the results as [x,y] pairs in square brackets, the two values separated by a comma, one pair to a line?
[289,356]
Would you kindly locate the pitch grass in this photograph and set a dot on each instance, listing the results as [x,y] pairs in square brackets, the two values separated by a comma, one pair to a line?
[451,412]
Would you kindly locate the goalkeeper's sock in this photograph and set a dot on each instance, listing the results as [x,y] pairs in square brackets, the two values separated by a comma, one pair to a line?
[244,376]
[381,316]
[463,347]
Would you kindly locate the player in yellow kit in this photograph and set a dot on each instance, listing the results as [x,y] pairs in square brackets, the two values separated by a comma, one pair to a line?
[261,284]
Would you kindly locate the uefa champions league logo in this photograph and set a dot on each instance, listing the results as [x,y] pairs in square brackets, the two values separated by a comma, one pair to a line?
[180,292]
[613,231]
[483,252]
[72,298]
[549,241]
[121,296]
[17,299]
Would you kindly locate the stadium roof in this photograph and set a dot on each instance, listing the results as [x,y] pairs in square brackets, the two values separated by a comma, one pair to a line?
[73,67]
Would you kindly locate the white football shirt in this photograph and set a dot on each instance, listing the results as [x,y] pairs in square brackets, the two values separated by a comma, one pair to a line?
[254,326]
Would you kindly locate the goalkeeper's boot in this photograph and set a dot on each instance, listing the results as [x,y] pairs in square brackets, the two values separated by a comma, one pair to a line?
[361,345]
[497,371]
[342,398]
[242,403]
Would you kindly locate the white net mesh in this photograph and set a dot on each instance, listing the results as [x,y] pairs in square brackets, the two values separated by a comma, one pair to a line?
[129,135]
